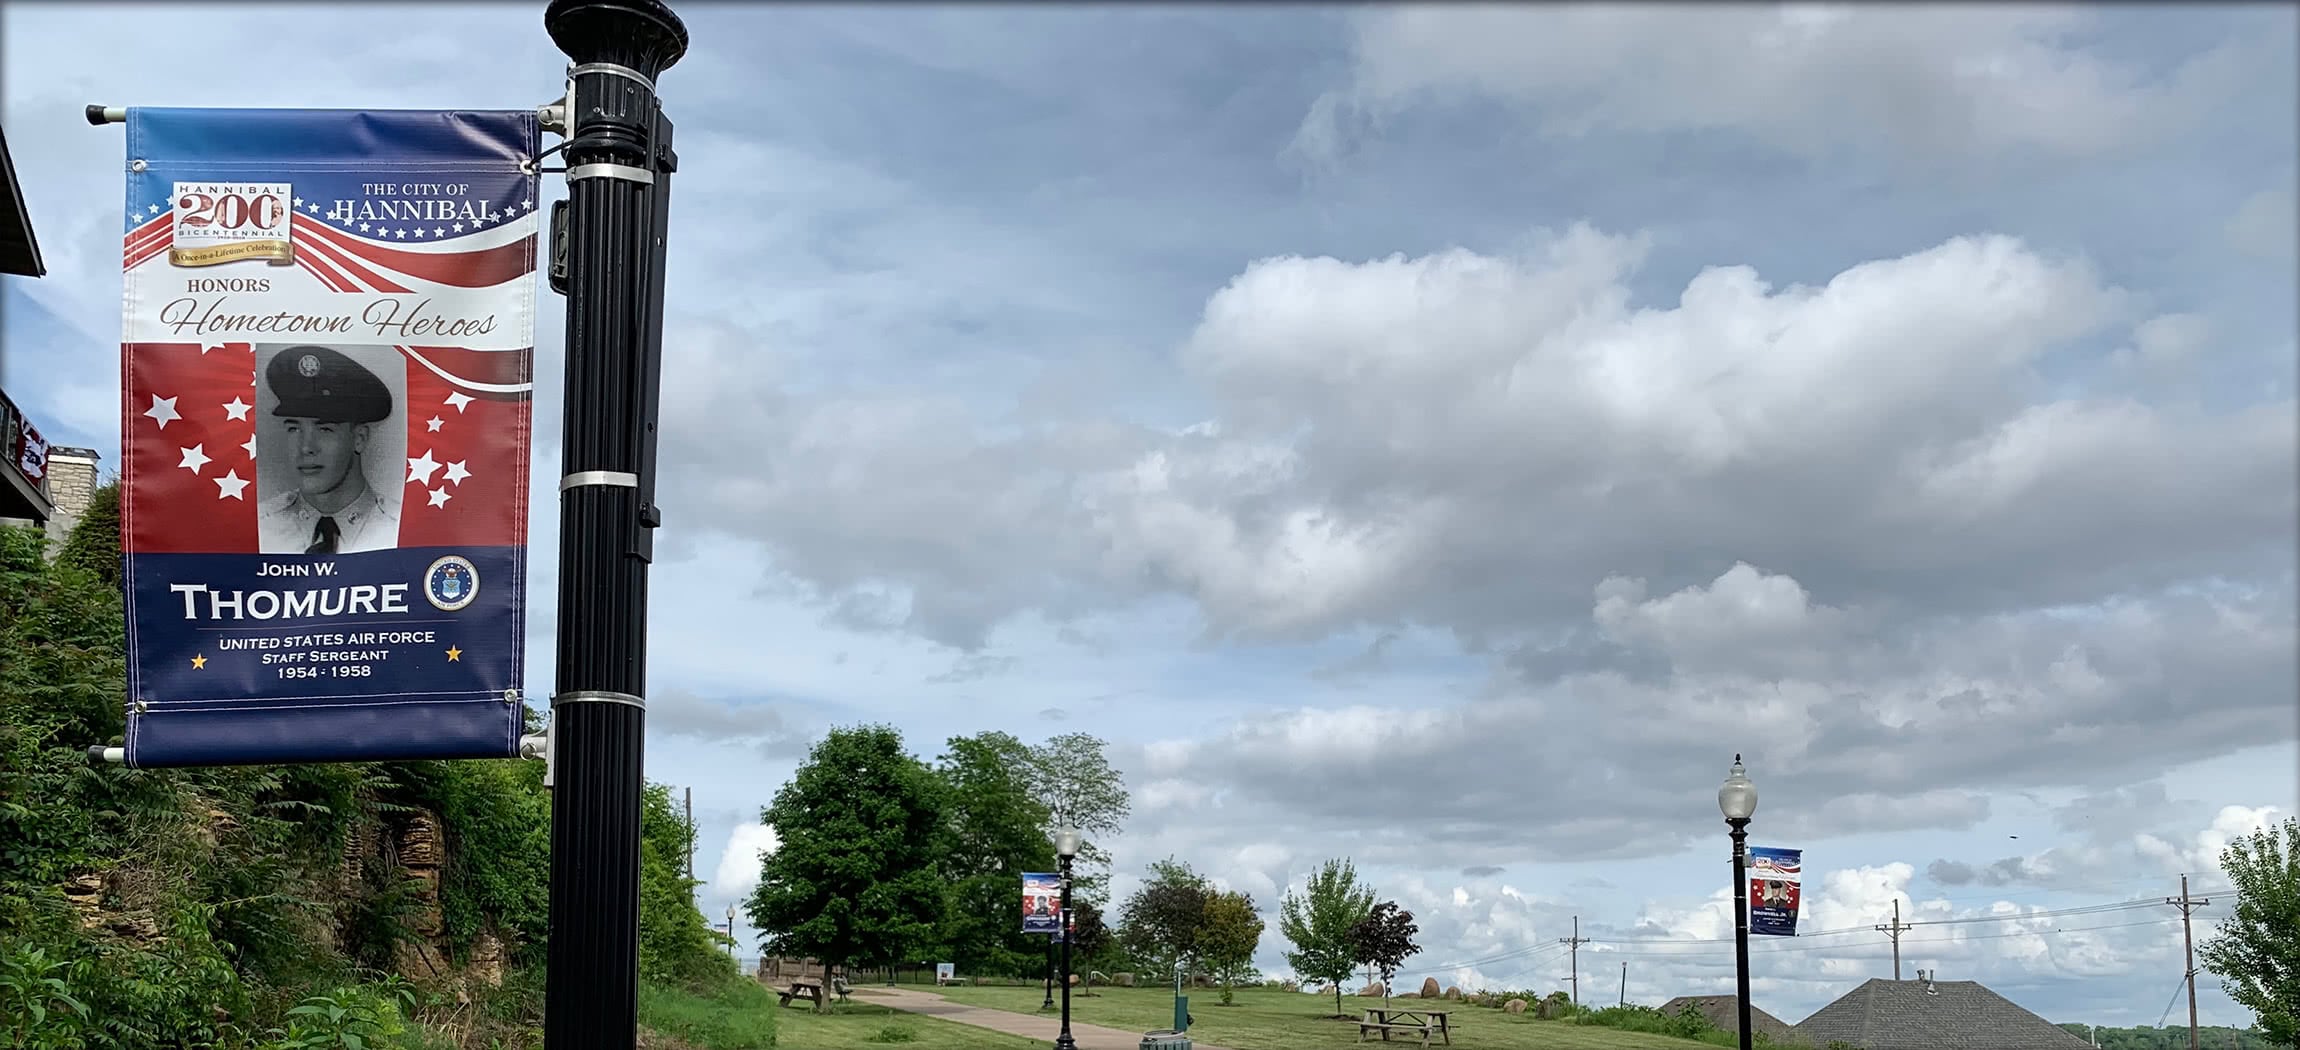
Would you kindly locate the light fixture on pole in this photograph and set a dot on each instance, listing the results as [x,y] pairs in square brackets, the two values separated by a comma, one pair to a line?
[1065,848]
[1737,798]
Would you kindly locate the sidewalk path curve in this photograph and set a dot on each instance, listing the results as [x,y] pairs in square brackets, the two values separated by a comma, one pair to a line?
[1029,1026]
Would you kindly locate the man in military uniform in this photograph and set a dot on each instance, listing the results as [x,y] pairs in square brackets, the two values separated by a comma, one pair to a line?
[328,408]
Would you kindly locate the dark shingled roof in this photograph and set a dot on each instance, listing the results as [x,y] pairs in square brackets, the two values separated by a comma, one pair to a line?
[1952,1015]
[1724,1011]
[19,252]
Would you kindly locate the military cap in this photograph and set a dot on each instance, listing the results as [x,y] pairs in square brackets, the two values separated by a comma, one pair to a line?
[318,383]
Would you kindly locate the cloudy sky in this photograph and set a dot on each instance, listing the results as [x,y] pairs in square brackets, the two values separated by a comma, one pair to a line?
[1440,437]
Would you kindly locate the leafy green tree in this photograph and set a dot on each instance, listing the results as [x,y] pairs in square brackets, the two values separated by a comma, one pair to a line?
[2257,952]
[1090,939]
[1384,939]
[676,943]
[1228,933]
[997,831]
[1160,922]
[1072,777]
[1319,922]
[856,877]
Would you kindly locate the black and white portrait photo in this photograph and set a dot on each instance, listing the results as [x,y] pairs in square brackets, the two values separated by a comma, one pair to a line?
[330,434]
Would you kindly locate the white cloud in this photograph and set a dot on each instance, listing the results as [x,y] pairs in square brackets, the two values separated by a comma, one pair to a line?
[1924,82]
[747,848]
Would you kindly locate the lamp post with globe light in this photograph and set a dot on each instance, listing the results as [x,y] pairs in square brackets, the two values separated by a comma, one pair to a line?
[1737,798]
[1065,848]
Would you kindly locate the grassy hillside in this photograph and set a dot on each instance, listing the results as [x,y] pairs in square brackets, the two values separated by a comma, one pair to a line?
[267,907]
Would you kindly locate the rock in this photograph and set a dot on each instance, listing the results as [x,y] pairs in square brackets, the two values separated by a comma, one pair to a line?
[1550,1010]
[1122,980]
[1514,1006]
[1453,993]
[1371,991]
[1430,988]
[1074,979]
[1407,995]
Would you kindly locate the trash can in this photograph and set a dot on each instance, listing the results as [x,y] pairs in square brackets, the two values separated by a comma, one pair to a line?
[1165,1041]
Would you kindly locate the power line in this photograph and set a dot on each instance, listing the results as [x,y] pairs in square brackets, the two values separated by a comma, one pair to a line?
[1706,950]
[2087,909]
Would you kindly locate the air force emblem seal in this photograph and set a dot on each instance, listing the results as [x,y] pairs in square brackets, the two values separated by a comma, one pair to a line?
[451,583]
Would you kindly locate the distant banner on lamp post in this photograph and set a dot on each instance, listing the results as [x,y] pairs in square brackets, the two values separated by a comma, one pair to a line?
[1041,902]
[327,359]
[1773,893]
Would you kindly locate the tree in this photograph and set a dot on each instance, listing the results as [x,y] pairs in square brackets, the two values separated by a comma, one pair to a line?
[2257,952]
[997,831]
[1384,939]
[1075,781]
[1160,922]
[676,942]
[1089,938]
[1227,936]
[1319,922]
[855,878]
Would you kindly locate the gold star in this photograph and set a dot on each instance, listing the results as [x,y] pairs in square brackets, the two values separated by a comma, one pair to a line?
[454,653]
[199,662]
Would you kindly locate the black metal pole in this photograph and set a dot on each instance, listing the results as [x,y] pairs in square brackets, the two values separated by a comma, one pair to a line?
[1049,1003]
[618,161]
[1741,921]
[1063,1041]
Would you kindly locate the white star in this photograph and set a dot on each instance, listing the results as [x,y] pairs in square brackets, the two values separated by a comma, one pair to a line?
[459,399]
[163,409]
[401,234]
[437,232]
[313,207]
[205,347]
[299,202]
[434,424]
[455,473]
[155,209]
[363,227]
[459,227]
[230,485]
[250,447]
[195,457]
[419,233]
[439,497]
[236,408]
[420,469]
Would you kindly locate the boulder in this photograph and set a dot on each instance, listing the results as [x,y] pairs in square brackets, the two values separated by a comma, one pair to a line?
[1371,991]
[1122,979]
[1453,993]
[1430,988]
[1406,995]
[1515,1006]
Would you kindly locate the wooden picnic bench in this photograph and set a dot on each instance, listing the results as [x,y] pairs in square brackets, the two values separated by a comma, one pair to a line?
[812,990]
[1423,1023]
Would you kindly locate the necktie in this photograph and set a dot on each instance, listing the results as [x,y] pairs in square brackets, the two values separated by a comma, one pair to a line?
[323,537]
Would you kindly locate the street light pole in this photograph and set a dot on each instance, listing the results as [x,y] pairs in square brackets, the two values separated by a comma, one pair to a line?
[1738,800]
[618,166]
[1066,847]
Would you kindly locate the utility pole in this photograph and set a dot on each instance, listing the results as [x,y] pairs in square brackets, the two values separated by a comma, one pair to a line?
[1624,983]
[618,161]
[2188,904]
[1573,948]
[1895,931]
[691,848]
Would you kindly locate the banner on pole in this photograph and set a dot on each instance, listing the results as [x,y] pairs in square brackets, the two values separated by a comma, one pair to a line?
[326,364]
[1041,902]
[1773,895]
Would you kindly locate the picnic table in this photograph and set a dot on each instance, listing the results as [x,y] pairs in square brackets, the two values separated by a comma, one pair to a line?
[812,990]
[1424,1023]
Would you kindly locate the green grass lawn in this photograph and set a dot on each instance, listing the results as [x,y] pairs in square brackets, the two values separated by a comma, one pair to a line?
[746,1016]
[1266,1019]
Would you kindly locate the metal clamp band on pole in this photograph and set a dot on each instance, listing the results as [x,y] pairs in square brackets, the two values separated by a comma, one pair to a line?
[611,69]
[624,172]
[614,478]
[599,696]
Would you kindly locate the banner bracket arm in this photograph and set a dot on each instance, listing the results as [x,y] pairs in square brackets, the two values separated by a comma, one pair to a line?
[102,115]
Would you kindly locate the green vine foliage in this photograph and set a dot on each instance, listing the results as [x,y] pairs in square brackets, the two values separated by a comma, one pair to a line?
[235,908]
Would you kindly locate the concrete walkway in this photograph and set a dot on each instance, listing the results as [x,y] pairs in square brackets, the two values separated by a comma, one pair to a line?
[1029,1026]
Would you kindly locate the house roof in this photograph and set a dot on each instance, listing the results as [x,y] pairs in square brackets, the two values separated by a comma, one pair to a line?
[1724,1012]
[19,252]
[1931,1015]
